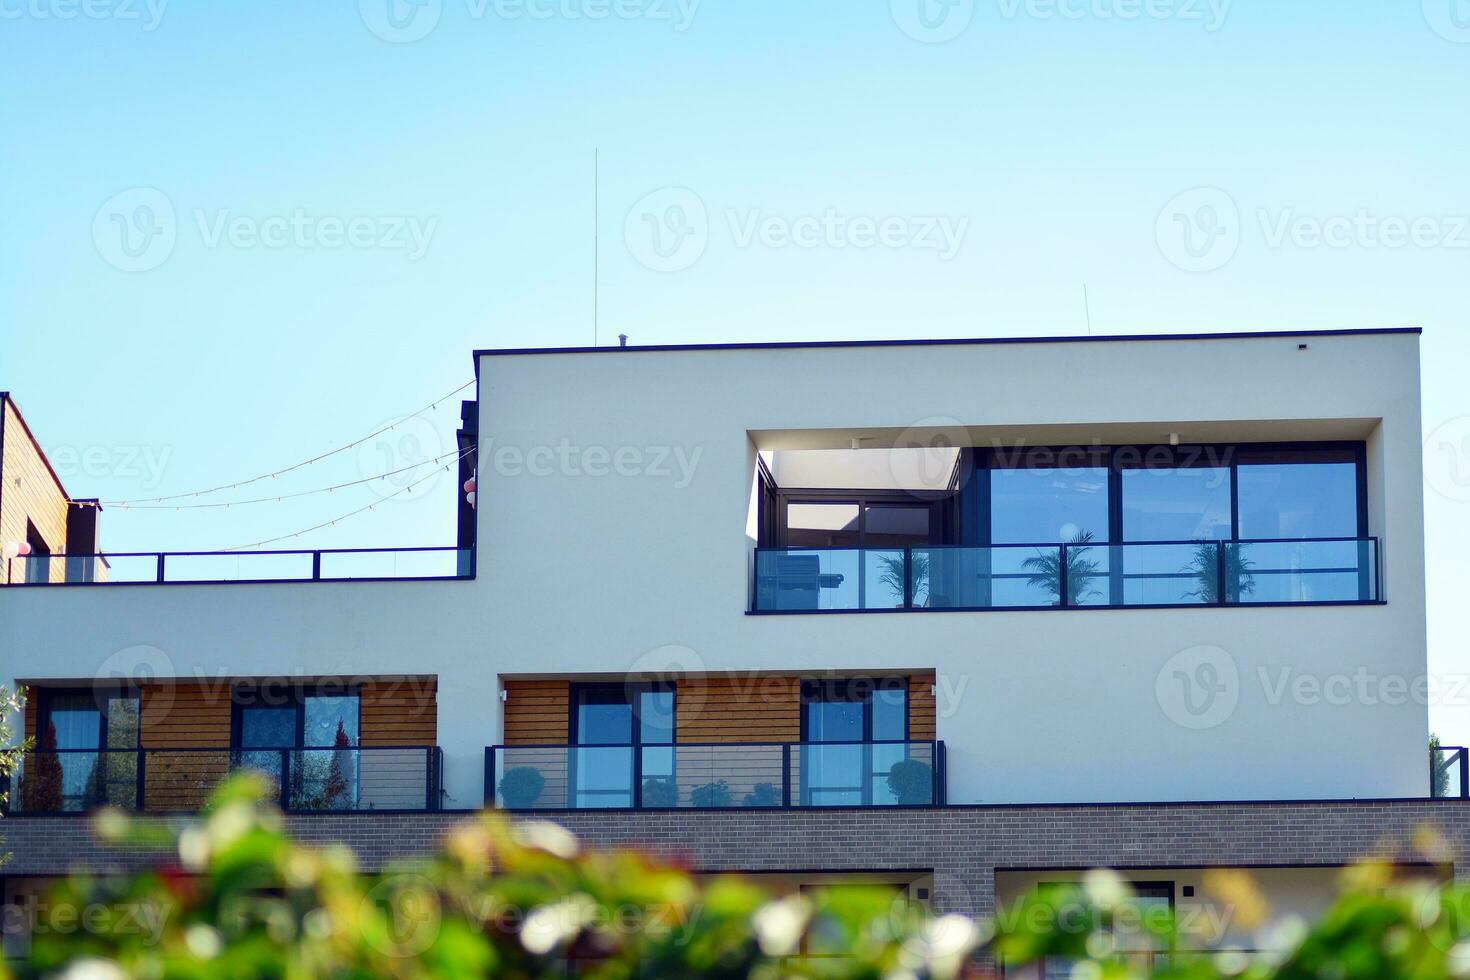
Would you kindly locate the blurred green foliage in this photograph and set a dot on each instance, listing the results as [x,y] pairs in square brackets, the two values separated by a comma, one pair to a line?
[10,755]
[233,896]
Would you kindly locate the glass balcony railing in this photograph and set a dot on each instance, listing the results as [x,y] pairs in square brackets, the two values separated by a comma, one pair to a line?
[181,780]
[193,567]
[714,776]
[1449,778]
[1136,574]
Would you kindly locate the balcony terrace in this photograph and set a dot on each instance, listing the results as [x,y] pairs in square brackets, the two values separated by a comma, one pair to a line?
[1057,527]
[204,567]
[316,780]
[715,776]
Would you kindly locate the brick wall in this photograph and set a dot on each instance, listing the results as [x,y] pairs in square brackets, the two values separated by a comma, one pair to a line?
[963,846]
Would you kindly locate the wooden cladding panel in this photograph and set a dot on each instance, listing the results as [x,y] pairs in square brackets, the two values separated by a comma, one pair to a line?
[183,781]
[31,495]
[400,711]
[921,707]
[537,712]
[739,709]
[186,715]
[30,711]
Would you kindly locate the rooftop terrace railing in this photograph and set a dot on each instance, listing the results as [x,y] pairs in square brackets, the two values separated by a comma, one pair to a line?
[715,776]
[1152,574]
[197,567]
[337,779]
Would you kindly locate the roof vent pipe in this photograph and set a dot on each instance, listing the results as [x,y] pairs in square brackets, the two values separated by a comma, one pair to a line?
[622,340]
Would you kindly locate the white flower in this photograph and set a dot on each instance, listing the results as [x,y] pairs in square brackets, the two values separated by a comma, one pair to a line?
[779,925]
[547,836]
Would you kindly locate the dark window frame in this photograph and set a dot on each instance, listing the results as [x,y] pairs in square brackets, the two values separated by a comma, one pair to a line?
[938,502]
[295,696]
[575,689]
[103,750]
[811,686]
[630,693]
[865,686]
[37,571]
[1119,457]
[45,695]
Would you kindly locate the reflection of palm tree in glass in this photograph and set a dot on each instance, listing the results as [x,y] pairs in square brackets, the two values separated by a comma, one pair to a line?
[895,571]
[1046,571]
[1205,567]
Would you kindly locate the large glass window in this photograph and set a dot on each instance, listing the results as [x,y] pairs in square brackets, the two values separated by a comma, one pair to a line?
[895,526]
[823,525]
[857,524]
[1044,506]
[85,753]
[845,723]
[1176,504]
[306,737]
[1298,500]
[623,734]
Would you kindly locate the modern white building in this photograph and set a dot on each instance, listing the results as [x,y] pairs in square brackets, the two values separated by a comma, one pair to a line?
[743,599]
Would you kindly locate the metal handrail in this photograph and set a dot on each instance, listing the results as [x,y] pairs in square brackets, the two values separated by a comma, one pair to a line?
[938,795]
[160,559]
[1368,569]
[433,771]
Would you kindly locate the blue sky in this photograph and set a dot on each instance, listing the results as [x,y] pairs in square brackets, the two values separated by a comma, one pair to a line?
[342,209]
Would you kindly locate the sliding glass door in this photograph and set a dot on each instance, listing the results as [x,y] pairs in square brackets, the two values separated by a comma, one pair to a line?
[853,733]
[623,749]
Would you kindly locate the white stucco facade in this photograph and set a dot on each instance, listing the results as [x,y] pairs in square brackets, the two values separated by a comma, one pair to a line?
[615,537]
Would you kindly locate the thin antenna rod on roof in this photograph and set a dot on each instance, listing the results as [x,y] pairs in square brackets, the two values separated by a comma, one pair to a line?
[595,248]
[1087,308]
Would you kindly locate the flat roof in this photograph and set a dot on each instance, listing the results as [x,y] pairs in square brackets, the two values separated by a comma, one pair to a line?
[947,342]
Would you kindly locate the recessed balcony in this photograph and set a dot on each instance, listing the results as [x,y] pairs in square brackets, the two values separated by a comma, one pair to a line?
[323,744]
[1089,526]
[314,780]
[715,776]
